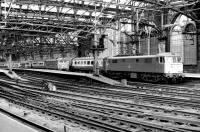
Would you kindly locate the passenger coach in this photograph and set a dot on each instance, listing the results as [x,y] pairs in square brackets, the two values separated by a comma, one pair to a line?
[84,64]
[57,64]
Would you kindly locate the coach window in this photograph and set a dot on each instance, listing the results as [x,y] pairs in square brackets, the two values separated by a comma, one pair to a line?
[85,62]
[123,60]
[92,62]
[137,60]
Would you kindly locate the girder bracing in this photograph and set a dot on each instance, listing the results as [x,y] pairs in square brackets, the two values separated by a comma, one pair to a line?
[67,18]
[61,15]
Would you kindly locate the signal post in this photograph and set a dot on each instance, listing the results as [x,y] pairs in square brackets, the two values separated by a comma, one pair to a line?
[96,48]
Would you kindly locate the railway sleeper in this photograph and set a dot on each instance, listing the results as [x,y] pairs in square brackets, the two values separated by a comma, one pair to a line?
[123,124]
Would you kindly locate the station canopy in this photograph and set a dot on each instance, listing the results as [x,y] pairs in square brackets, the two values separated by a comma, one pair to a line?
[72,17]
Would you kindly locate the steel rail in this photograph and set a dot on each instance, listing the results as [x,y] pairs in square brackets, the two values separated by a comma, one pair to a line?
[166,90]
[64,93]
[178,120]
[146,125]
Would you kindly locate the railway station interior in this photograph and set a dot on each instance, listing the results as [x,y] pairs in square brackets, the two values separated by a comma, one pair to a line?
[99,66]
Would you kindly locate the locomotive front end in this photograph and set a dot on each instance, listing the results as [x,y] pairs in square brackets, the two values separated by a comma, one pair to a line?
[174,68]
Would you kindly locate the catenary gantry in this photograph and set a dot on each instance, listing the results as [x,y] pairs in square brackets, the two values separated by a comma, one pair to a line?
[47,21]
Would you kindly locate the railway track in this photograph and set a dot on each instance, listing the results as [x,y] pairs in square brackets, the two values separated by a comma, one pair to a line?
[130,93]
[141,115]
[173,91]
[131,98]
[190,103]
[184,89]
[100,121]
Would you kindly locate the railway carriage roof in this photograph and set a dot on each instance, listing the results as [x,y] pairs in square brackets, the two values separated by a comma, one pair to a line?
[26,61]
[85,58]
[57,59]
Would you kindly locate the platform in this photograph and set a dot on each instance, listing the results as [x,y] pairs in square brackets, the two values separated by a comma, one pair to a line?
[7,124]
[192,75]
[100,78]
[11,75]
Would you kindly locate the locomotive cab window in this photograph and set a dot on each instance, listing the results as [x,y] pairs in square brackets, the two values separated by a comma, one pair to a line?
[176,59]
[179,59]
[162,60]
[168,60]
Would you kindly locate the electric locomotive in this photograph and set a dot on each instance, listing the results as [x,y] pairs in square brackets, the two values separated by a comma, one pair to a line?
[152,68]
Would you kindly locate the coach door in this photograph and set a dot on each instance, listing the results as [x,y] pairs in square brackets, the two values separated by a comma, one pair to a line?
[161,64]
